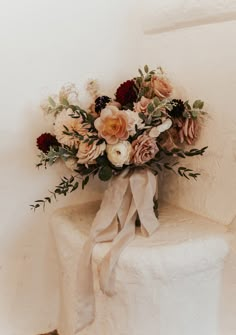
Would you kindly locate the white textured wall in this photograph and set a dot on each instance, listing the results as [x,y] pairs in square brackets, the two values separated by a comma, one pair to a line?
[43,45]
[170,15]
[201,62]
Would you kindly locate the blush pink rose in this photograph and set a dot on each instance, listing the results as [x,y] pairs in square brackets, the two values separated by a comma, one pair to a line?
[112,125]
[161,87]
[141,106]
[144,149]
[188,129]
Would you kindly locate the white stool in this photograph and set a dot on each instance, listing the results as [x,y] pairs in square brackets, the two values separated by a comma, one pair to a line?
[168,284]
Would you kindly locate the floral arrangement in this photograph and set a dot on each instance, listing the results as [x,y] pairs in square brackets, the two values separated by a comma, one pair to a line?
[142,126]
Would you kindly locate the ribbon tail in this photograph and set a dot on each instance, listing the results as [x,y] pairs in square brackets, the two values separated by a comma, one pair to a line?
[104,228]
[146,181]
[108,264]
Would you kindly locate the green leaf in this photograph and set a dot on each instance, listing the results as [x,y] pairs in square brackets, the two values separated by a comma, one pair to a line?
[157,113]
[194,114]
[75,186]
[156,101]
[64,102]
[85,182]
[51,101]
[142,116]
[187,105]
[141,72]
[146,69]
[150,108]
[186,114]
[105,173]
[148,77]
[198,104]
[102,160]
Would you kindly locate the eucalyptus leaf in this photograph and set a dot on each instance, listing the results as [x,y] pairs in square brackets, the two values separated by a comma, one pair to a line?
[52,102]
[156,101]
[194,114]
[198,104]
[64,102]
[146,69]
[150,108]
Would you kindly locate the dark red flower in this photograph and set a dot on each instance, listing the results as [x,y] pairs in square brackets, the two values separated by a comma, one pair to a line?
[126,94]
[45,141]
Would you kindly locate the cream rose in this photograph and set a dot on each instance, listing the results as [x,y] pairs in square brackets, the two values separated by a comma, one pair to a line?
[87,153]
[72,124]
[119,153]
[144,149]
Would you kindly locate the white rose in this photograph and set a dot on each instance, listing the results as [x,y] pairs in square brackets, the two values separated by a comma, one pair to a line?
[134,120]
[119,153]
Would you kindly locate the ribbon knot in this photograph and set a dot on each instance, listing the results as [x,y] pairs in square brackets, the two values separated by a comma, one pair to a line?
[128,195]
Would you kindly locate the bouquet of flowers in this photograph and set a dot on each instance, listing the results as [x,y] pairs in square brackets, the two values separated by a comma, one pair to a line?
[142,127]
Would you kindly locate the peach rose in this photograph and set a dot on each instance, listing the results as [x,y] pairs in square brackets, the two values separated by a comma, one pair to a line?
[141,106]
[87,153]
[112,125]
[144,149]
[161,87]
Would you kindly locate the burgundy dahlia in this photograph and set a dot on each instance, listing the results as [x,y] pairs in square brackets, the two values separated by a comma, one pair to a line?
[126,94]
[45,141]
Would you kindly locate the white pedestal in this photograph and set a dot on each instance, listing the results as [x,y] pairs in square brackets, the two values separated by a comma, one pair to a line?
[168,284]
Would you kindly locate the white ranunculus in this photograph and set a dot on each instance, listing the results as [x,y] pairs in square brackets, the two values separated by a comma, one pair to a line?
[119,153]
[134,120]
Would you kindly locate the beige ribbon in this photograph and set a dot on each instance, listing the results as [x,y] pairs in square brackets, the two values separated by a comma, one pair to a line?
[127,195]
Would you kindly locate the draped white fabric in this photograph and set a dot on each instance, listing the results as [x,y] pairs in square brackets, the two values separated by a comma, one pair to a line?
[127,195]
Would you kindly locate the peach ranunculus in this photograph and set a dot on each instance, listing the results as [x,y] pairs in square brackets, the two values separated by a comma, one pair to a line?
[112,125]
[144,149]
[87,153]
[161,87]
[141,106]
